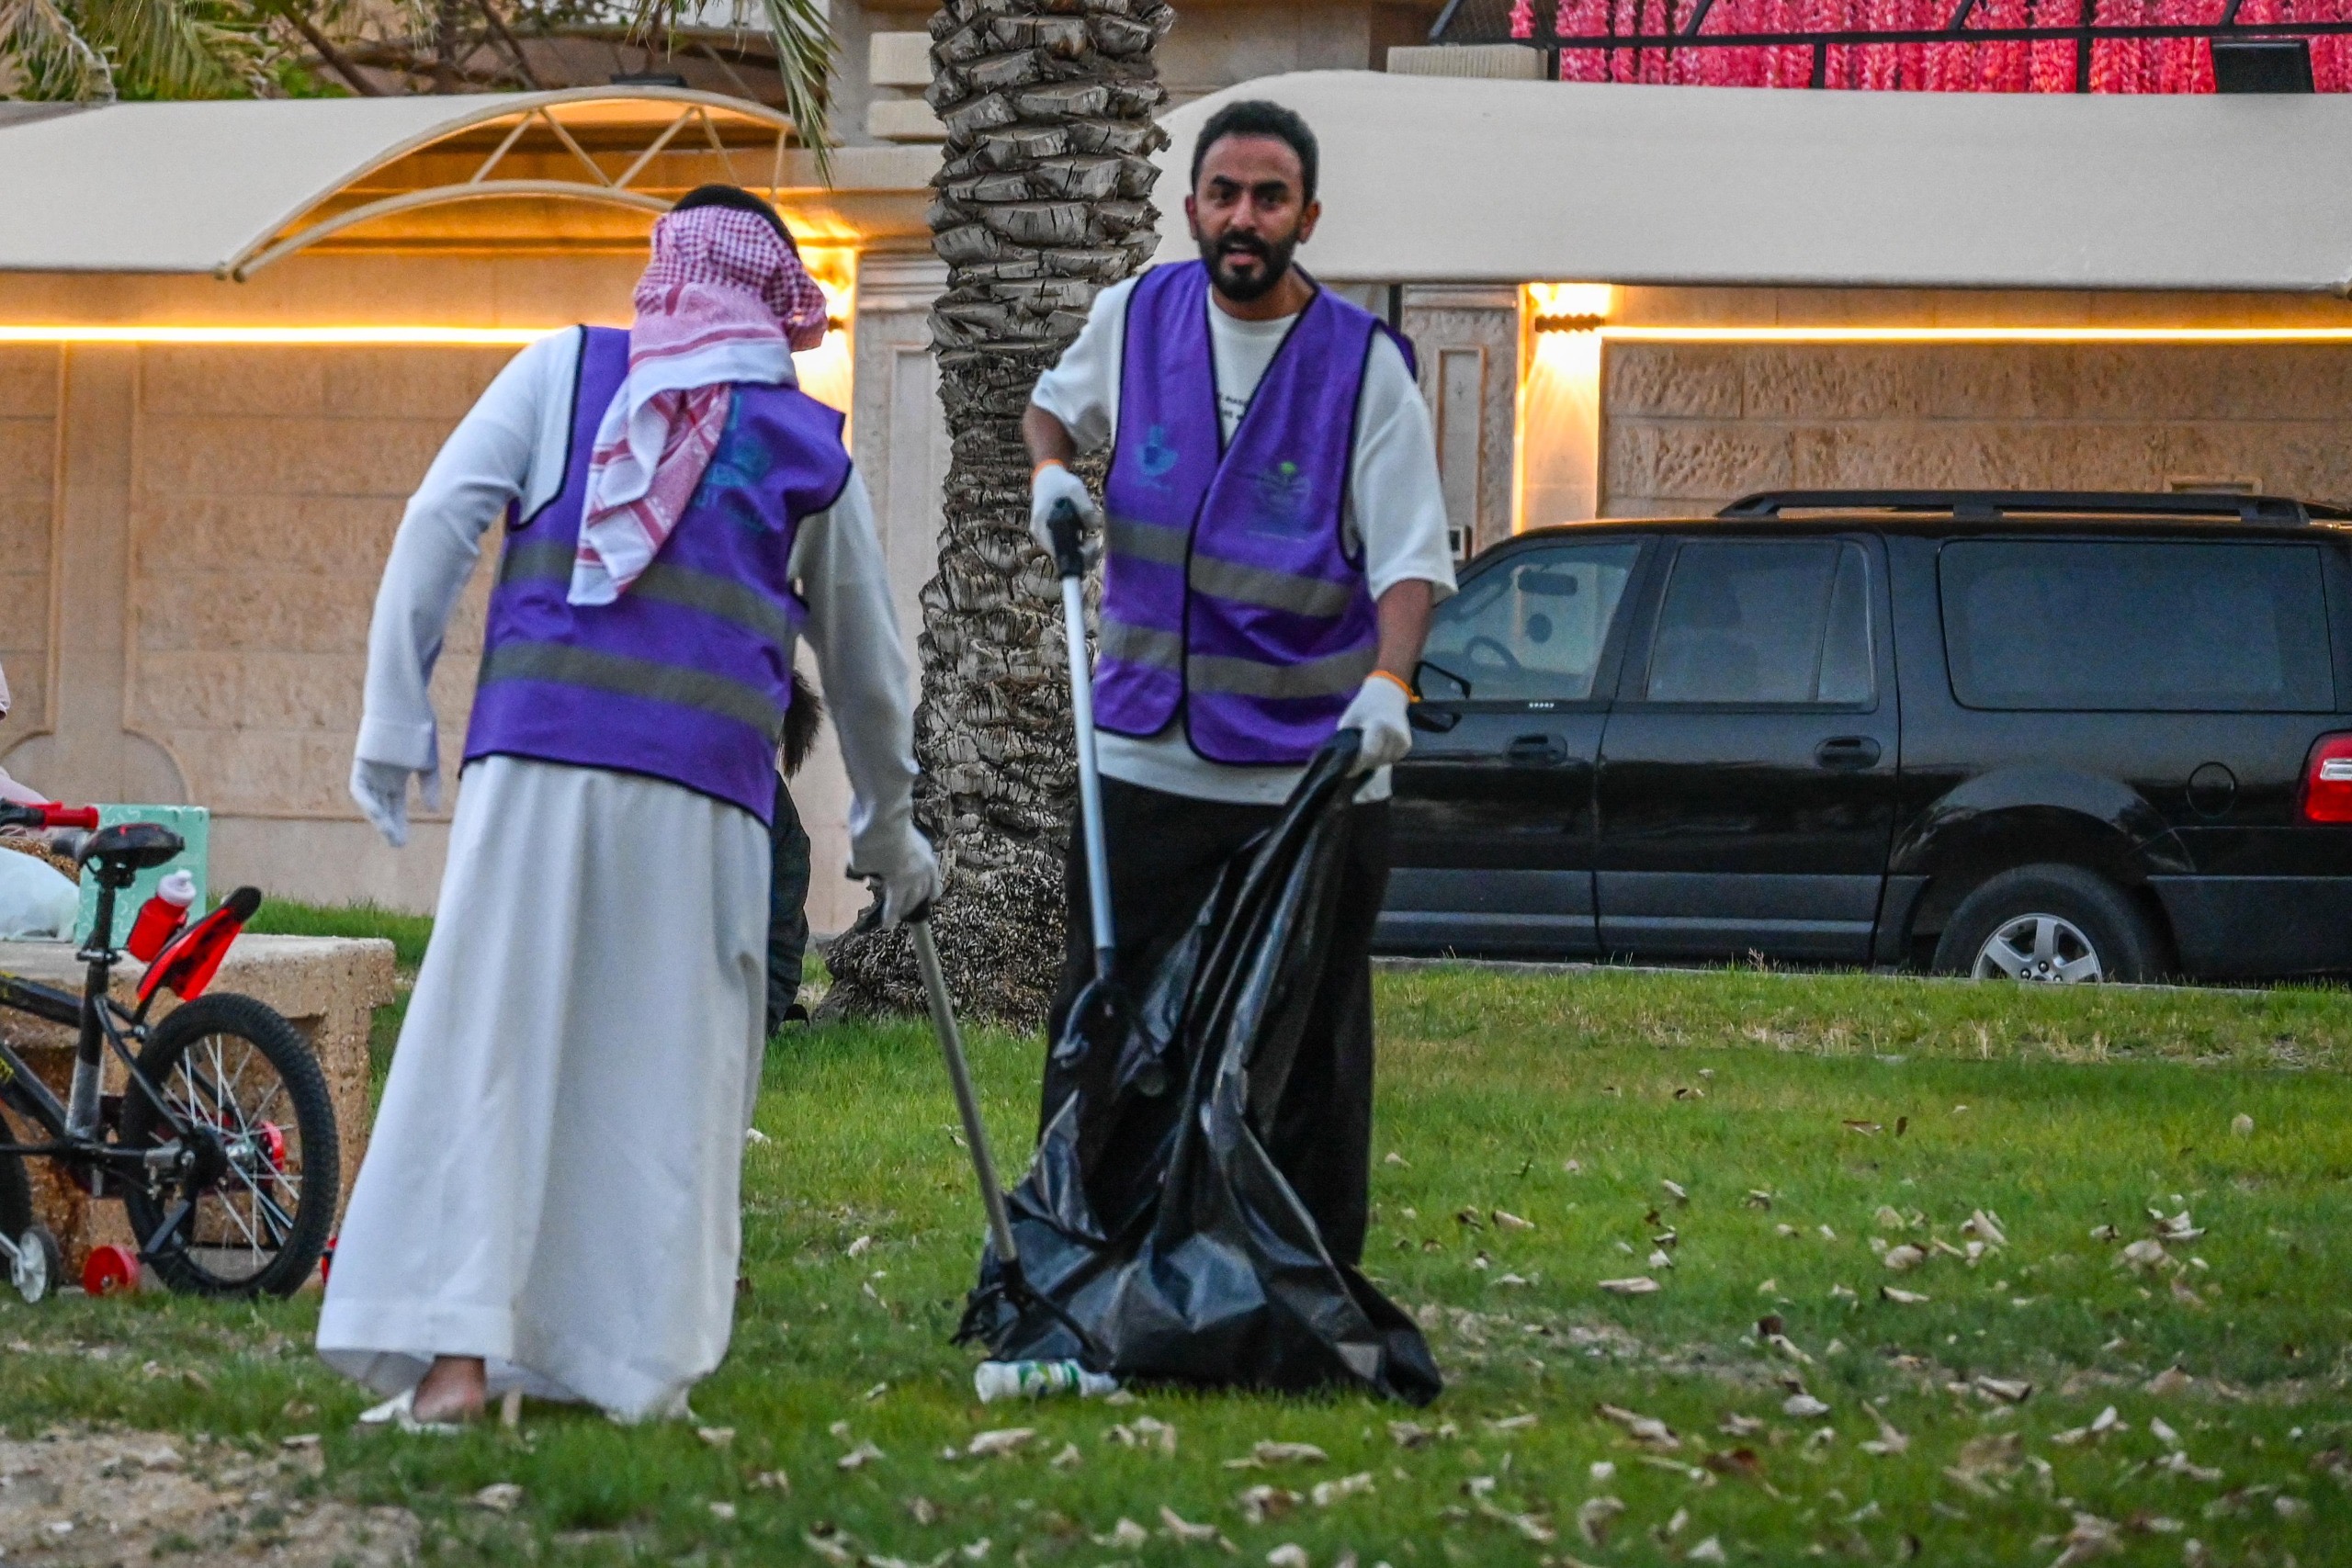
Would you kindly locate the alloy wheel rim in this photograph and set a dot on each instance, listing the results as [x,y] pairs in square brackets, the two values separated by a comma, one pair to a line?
[2038,949]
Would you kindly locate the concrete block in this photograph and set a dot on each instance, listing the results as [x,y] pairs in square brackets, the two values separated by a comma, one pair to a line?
[304,536]
[2311,459]
[1700,462]
[1980,454]
[28,456]
[209,456]
[410,383]
[263,610]
[327,988]
[25,520]
[266,380]
[898,59]
[27,381]
[304,691]
[903,119]
[192,689]
[1671,381]
[1820,381]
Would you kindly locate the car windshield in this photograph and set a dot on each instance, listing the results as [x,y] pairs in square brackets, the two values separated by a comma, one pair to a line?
[1530,627]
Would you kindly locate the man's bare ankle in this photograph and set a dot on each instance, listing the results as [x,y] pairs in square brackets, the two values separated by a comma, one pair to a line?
[453,1388]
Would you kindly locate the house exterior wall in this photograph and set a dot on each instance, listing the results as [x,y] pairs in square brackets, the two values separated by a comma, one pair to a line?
[1688,426]
[1691,426]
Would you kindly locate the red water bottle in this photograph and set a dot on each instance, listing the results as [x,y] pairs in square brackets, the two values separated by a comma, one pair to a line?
[162,916]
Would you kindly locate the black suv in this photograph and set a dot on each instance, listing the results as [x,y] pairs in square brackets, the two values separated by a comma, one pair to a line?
[2053,736]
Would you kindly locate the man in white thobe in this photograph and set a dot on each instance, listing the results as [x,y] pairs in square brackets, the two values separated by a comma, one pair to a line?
[549,1201]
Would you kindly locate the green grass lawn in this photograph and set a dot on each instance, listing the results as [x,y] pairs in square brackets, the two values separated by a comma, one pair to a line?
[1809,1122]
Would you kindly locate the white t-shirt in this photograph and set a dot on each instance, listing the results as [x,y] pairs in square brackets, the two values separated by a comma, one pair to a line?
[1395,509]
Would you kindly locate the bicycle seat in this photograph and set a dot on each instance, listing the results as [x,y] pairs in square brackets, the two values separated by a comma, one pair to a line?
[132,846]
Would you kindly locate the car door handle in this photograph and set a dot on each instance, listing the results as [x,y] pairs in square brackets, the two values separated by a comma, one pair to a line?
[1437,721]
[1847,753]
[1536,751]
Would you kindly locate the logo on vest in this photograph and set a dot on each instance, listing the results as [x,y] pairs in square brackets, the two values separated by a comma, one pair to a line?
[1156,458]
[741,461]
[1285,496]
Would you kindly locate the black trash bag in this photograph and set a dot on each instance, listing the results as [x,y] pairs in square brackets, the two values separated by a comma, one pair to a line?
[1155,1225]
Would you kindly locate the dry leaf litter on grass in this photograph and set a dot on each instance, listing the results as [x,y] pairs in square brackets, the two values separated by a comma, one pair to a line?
[140,1496]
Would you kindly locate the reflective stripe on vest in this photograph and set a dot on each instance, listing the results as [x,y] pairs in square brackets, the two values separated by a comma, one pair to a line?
[1231,602]
[687,676]
[663,584]
[634,678]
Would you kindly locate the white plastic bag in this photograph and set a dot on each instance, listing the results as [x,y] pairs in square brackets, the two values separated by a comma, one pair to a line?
[36,898]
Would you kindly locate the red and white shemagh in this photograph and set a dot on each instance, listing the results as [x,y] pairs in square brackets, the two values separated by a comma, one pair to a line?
[725,300]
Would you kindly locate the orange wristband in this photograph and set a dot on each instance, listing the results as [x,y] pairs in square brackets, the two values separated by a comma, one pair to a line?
[1399,683]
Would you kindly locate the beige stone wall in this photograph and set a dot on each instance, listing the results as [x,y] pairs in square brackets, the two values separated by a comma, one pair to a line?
[29,388]
[270,484]
[1690,426]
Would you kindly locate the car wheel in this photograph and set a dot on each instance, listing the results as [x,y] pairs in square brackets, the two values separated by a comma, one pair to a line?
[2048,924]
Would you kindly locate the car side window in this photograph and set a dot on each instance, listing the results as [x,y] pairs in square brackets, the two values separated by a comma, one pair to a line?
[1530,628]
[2137,625]
[1778,621]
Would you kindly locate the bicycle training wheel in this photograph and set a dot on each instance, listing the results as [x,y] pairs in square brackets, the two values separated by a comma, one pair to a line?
[31,1263]
[249,1216]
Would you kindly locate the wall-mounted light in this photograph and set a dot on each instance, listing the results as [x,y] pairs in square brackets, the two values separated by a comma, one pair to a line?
[1569,306]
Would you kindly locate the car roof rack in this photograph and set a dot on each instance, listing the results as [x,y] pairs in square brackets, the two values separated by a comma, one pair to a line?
[1991,505]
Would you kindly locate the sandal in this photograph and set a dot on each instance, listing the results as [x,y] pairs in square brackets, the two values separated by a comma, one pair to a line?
[401,1411]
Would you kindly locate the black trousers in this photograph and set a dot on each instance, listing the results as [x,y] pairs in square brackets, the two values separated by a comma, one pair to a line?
[1166,851]
[787,904]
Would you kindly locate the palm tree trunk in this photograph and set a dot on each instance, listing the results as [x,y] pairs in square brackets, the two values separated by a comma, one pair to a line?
[1042,200]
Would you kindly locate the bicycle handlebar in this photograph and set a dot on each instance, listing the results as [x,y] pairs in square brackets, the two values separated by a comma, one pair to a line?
[13,815]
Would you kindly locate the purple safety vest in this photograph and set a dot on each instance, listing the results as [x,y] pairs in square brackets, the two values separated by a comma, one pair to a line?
[1229,594]
[688,675]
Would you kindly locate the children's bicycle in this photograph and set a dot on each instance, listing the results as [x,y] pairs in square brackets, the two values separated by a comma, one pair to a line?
[221,1146]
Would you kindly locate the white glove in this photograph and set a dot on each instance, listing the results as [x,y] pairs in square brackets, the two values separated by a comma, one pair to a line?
[913,883]
[381,790]
[1379,711]
[1054,484]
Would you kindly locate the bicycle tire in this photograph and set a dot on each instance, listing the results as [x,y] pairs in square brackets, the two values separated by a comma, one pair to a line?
[16,1189]
[193,1265]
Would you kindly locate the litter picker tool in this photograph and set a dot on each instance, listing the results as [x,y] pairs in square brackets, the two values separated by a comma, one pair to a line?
[1009,1279]
[1097,1012]
[967,1104]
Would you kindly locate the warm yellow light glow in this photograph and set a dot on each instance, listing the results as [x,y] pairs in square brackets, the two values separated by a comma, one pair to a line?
[1571,299]
[296,337]
[1558,445]
[826,371]
[1976,334]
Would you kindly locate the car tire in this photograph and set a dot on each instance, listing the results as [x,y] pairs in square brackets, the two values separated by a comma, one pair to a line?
[2049,923]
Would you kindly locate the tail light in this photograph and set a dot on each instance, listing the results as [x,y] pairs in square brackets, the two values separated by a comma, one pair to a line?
[2327,779]
[188,965]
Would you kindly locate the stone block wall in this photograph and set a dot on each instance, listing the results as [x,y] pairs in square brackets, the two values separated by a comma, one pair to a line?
[269,483]
[27,499]
[1688,427]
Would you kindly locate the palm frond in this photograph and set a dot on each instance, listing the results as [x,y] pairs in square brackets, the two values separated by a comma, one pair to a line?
[42,55]
[162,49]
[805,50]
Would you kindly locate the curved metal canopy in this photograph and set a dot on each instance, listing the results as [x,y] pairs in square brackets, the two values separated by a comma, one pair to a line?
[229,187]
[1442,179]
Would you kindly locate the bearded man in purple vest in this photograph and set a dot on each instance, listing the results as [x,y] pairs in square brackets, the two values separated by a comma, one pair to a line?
[549,1201]
[1275,541]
